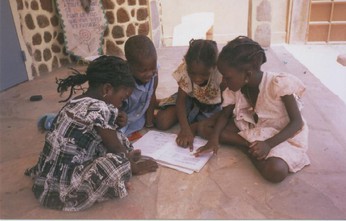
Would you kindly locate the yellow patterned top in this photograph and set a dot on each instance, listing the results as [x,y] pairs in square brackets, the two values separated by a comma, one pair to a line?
[207,94]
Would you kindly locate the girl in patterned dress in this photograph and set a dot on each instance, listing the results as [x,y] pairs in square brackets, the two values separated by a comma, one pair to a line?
[261,112]
[85,159]
[199,93]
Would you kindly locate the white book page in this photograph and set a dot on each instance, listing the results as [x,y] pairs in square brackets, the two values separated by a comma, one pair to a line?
[181,169]
[152,142]
[162,147]
[182,157]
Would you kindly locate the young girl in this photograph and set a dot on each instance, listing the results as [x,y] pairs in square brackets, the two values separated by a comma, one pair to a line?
[137,110]
[85,159]
[199,93]
[260,112]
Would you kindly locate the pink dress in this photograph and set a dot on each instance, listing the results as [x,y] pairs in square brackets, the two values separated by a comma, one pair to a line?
[272,117]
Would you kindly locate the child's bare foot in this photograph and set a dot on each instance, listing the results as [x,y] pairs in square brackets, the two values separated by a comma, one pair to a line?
[143,165]
[128,186]
[134,155]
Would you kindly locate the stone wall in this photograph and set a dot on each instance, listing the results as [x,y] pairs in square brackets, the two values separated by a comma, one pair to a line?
[43,36]
[269,21]
[125,18]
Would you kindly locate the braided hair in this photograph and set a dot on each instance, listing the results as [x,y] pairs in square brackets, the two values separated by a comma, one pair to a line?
[243,53]
[105,69]
[201,50]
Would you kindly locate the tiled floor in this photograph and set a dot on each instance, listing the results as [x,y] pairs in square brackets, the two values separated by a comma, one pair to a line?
[228,187]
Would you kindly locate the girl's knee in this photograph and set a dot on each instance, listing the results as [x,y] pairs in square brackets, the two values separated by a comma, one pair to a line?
[162,122]
[275,170]
[205,129]
[165,119]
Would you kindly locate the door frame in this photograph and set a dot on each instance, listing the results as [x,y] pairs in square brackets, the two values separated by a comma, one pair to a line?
[28,58]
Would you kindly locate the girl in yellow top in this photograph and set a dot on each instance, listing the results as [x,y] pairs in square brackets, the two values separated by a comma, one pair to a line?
[199,93]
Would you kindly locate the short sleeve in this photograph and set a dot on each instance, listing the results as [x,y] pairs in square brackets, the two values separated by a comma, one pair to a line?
[182,78]
[286,84]
[102,115]
[228,97]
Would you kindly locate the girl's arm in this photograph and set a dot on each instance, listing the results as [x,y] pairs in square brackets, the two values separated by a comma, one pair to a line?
[185,136]
[110,140]
[221,122]
[261,149]
[149,115]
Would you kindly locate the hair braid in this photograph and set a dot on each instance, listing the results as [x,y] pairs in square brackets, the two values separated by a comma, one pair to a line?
[241,52]
[76,79]
[105,69]
[201,50]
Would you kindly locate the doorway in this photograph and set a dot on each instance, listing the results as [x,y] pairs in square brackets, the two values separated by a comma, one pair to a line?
[12,58]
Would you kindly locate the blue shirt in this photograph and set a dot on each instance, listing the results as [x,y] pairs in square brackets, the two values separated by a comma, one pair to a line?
[136,106]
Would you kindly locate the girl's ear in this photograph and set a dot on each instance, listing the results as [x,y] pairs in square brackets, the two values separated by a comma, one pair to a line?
[248,75]
[107,89]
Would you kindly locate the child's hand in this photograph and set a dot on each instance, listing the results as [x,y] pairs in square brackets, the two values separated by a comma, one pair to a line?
[259,149]
[149,124]
[185,139]
[121,120]
[210,146]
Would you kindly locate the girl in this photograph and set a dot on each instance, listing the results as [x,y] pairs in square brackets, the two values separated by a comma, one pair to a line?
[137,110]
[199,93]
[260,112]
[85,159]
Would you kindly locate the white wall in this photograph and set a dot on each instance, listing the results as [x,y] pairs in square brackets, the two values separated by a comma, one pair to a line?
[230,17]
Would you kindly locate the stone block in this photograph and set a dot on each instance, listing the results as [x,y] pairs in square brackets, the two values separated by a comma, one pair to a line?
[263,34]
[264,11]
[342,59]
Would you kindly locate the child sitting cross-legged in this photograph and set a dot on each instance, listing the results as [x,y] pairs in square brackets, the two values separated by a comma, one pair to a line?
[85,159]
[261,112]
[199,93]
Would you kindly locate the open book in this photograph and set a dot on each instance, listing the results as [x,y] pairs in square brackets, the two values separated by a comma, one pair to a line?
[162,147]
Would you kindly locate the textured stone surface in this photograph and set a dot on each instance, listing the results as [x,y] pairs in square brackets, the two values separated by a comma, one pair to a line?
[228,187]
[264,11]
[263,34]
[342,59]
[41,29]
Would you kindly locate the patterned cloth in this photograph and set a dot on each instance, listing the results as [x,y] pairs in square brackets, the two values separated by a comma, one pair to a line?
[208,94]
[272,117]
[202,101]
[74,171]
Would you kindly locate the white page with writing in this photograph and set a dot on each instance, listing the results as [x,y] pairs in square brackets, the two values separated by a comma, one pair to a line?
[173,154]
[162,147]
[152,142]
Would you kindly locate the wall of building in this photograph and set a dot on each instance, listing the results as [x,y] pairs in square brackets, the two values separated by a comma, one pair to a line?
[267,21]
[230,17]
[43,39]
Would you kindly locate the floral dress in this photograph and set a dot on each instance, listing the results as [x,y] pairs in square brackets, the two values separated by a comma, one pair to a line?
[74,170]
[272,117]
[204,100]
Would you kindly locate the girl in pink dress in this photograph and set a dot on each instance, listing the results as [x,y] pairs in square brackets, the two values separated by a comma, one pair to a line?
[261,112]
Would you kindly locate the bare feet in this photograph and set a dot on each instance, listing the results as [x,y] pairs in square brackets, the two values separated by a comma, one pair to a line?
[141,164]
[134,155]
[128,186]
